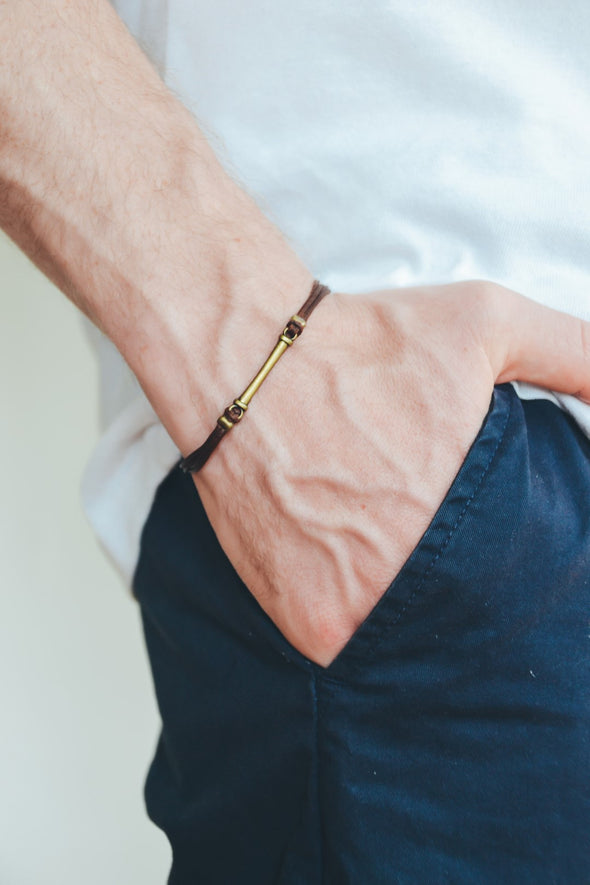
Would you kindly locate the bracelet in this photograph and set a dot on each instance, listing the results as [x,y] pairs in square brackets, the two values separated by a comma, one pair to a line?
[235,412]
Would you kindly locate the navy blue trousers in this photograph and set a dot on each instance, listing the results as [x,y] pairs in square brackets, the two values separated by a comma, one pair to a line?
[447,743]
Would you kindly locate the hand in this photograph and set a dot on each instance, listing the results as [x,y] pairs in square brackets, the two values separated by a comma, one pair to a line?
[322,492]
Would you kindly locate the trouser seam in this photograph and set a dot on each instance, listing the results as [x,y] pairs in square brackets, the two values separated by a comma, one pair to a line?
[316,743]
[422,580]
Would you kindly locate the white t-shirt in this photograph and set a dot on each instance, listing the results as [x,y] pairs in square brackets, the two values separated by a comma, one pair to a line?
[394,143]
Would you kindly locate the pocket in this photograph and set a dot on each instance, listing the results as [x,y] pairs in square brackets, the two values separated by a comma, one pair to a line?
[453,520]
[183,568]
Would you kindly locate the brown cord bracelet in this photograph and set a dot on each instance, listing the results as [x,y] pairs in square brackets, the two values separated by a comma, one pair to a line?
[235,412]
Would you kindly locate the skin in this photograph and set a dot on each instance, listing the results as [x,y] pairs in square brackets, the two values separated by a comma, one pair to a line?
[321,493]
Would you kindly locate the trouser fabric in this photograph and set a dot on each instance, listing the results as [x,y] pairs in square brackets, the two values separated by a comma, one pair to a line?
[449,740]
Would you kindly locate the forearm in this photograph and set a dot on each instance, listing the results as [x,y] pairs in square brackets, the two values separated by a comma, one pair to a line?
[109,186]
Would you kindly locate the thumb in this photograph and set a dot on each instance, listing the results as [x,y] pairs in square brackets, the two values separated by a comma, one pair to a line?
[540,345]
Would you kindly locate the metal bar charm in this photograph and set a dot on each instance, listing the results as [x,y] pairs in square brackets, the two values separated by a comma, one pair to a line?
[235,412]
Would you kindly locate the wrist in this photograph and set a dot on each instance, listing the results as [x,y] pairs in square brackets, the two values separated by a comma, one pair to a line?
[110,187]
[206,336]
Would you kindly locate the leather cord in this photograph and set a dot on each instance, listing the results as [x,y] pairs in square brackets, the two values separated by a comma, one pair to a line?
[236,411]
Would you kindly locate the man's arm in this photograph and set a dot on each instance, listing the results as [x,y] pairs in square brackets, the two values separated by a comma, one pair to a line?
[321,494]
[108,185]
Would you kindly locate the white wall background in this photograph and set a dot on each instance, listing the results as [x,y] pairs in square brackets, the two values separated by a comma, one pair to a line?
[78,721]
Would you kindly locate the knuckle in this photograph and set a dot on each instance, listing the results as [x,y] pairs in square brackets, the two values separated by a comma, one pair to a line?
[488,303]
[584,330]
[496,303]
[489,293]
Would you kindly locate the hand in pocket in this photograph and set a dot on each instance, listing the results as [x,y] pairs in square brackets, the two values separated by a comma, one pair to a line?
[321,494]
